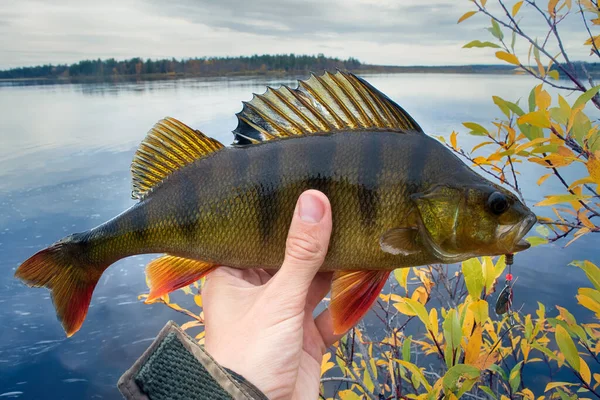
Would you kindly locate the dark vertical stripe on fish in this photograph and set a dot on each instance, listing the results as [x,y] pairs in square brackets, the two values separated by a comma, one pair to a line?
[370,164]
[239,162]
[268,204]
[419,159]
[140,231]
[320,164]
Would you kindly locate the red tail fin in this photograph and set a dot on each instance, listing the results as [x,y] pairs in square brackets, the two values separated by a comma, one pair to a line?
[71,283]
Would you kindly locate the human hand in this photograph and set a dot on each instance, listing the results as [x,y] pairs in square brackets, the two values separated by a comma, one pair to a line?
[262,326]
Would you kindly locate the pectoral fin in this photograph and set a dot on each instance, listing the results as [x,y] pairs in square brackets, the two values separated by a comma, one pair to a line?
[400,241]
[169,273]
[352,294]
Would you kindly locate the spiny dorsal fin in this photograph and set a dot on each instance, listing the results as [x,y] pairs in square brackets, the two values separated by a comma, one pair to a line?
[169,145]
[326,103]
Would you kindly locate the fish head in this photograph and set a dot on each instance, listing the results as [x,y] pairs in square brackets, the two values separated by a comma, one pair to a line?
[458,222]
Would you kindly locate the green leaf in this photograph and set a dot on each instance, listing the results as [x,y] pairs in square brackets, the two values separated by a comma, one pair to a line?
[488,391]
[591,271]
[585,97]
[498,369]
[406,349]
[515,376]
[453,375]
[581,126]
[473,273]
[542,230]
[412,307]
[502,105]
[475,128]
[536,240]
[531,100]
[544,350]
[478,43]
[496,31]
[514,107]
[452,331]
[567,347]
[557,114]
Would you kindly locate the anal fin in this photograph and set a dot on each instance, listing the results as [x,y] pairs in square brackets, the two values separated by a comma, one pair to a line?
[168,273]
[352,294]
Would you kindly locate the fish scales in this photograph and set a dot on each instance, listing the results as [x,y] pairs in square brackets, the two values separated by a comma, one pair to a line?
[207,212]
[399,198]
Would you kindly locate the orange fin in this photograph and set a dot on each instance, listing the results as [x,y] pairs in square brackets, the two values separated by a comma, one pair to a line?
[169,273]
[352,294]
[70,280]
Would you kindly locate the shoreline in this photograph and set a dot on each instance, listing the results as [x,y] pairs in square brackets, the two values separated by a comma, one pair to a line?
[466,69]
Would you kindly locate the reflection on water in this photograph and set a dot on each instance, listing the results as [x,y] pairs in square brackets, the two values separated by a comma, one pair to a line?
[65,152]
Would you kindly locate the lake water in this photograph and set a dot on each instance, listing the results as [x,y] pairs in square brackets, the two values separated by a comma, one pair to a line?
[65,152]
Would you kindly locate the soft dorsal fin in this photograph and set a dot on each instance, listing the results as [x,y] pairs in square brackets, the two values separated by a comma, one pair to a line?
[320,104]
[169,145]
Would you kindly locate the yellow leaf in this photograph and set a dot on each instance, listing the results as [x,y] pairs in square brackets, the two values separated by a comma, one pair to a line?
[401,275]
[582,181]
[588,303]
[584,371]
[536,118]
[190,324]
[509,58]
[433,320]
[198,300]
[326,365]
[552,7]
[567,347]
[593,166]
[553,385]
[349,395]
[543,178]
[473,346]
[473,274]
[561,198]
[480,310]
[186,290]
[516,8]
[420,295]
[542,98]
[411,307]
[554,74]
[466,15]
[453,140]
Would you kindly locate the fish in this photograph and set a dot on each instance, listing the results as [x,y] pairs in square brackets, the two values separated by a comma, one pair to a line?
[399,198]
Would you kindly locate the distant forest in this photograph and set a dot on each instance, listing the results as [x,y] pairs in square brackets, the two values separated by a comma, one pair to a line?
[223,66]
[209,66]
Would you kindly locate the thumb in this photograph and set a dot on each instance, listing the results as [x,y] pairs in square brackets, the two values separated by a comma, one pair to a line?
[306,245]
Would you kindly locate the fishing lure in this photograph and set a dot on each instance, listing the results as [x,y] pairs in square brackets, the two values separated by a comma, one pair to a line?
[505,298]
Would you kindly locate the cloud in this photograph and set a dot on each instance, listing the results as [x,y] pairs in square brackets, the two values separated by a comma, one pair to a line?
[375,31]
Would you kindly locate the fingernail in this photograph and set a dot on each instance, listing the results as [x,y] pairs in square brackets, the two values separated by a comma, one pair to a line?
[311,208]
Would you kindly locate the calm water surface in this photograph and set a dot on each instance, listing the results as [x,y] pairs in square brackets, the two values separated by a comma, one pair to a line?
[65,152]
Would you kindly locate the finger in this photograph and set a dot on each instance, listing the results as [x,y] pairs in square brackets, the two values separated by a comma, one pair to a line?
[324,324]
[306,245]
[320,286]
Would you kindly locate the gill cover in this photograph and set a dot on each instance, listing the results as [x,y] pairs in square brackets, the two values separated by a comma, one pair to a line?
[439,209]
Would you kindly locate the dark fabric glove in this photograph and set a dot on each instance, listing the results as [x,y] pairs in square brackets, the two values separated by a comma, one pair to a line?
[175,367]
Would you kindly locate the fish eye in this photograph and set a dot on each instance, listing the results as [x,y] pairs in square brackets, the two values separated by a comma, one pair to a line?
[497,203]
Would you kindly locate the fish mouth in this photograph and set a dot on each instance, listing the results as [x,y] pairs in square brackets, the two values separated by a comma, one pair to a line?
[524,227]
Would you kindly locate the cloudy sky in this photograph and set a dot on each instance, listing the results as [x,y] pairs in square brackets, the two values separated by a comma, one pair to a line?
[391,32]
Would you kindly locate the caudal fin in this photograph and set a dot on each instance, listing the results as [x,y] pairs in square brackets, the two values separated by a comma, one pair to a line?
[71,281]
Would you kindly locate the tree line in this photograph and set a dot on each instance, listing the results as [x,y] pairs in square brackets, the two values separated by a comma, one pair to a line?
[194,66]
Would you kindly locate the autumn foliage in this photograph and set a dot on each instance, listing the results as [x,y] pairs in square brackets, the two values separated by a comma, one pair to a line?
[438,334]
